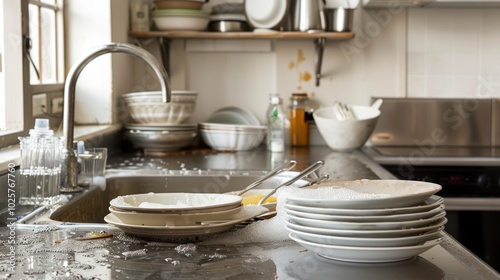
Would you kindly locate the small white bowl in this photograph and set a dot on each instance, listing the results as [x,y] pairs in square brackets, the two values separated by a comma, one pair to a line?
[233,139]
[342,135]
[186,23]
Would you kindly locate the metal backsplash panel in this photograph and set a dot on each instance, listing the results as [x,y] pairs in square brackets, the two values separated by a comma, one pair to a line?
[436,122]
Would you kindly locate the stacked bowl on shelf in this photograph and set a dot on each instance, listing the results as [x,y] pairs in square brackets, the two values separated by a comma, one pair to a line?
[186,15]
[159,126]
[367,221]
[228,17]
[232,129]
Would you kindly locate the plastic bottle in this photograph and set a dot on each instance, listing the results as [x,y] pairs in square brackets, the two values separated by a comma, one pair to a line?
[276,121]
[300,117]
[40,169]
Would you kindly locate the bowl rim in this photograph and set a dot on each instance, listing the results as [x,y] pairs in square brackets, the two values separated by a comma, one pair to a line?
[317,113]
[150,94]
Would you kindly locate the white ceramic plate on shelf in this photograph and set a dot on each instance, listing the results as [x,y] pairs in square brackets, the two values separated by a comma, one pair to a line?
[367,242]
[368,233]
[366,225]
[265,14]
[364,219]
[429,204]
[366,254]
[379,194]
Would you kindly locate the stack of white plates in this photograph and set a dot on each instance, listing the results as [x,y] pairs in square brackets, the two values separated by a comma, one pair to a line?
[367,220]
[178,215]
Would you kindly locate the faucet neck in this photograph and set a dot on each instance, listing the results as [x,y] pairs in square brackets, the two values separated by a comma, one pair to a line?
[69,178]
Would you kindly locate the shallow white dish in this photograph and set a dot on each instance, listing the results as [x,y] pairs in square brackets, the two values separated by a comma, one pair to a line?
[369,233]
[364,219]
[233,115]
[398,193]
[366,254]
[176,202]
[178,219]
[429,204]
[367,242]
[365,225]
[183,232]
[264,13]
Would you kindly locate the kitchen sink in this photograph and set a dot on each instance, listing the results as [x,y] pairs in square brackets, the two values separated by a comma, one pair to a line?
[92,205]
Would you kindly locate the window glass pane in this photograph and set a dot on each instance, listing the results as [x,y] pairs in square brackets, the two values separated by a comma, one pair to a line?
[34,25]
[48,46]
[49,1]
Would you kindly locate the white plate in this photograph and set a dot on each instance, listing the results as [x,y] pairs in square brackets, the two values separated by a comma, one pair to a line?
[381,193]
[233,115]
[265,13]
[366,254]
[369,233]
[162,219]
[430,203]
[364,219]
[176,202]
[367,225]
[184,232]
[367,242]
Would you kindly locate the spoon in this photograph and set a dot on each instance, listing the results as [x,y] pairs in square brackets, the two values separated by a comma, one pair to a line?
[313,167]
[284,167]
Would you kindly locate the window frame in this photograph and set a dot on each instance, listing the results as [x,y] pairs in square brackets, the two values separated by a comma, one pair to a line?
[10,137]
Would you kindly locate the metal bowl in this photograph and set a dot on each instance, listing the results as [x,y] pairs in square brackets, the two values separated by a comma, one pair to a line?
[163,140]
[228,26]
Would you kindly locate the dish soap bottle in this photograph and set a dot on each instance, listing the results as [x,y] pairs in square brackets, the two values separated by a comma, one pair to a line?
[40,169]
[276,120]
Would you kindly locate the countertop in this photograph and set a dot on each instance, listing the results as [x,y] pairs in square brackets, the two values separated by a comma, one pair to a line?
[37,255]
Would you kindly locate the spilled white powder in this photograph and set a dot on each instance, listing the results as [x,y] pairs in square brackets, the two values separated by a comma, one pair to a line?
[273,230]
[333,193]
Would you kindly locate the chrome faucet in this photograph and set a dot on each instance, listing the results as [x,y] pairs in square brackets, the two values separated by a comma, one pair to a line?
[69,174]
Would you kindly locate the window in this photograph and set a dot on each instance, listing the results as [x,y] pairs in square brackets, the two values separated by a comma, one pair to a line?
[31,64]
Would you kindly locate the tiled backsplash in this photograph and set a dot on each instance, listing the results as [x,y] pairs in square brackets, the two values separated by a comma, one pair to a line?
[453,53]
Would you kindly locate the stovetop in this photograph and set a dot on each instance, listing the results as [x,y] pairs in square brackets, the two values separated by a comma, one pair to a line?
[435,156]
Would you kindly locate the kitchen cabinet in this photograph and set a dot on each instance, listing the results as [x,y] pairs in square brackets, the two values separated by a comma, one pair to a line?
[319,38]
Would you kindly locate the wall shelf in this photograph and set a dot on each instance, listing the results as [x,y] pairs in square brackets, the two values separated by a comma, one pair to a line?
[242,35]
[319,38]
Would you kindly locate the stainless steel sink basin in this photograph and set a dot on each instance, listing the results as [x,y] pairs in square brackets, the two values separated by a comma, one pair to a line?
[92,205]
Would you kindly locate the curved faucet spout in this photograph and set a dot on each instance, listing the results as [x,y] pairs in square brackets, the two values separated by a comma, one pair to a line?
[69,168]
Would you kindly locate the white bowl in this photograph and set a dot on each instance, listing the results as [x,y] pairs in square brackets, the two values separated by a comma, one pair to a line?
[176,202]
[149,108]
[168,219]
[187,23]
[232,139]
[344,135]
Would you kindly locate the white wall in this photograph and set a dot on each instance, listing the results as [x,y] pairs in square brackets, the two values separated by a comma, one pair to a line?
[372,64]
[426,52]
[454,53]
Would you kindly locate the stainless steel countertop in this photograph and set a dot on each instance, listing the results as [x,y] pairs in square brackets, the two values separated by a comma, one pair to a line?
[123,257]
